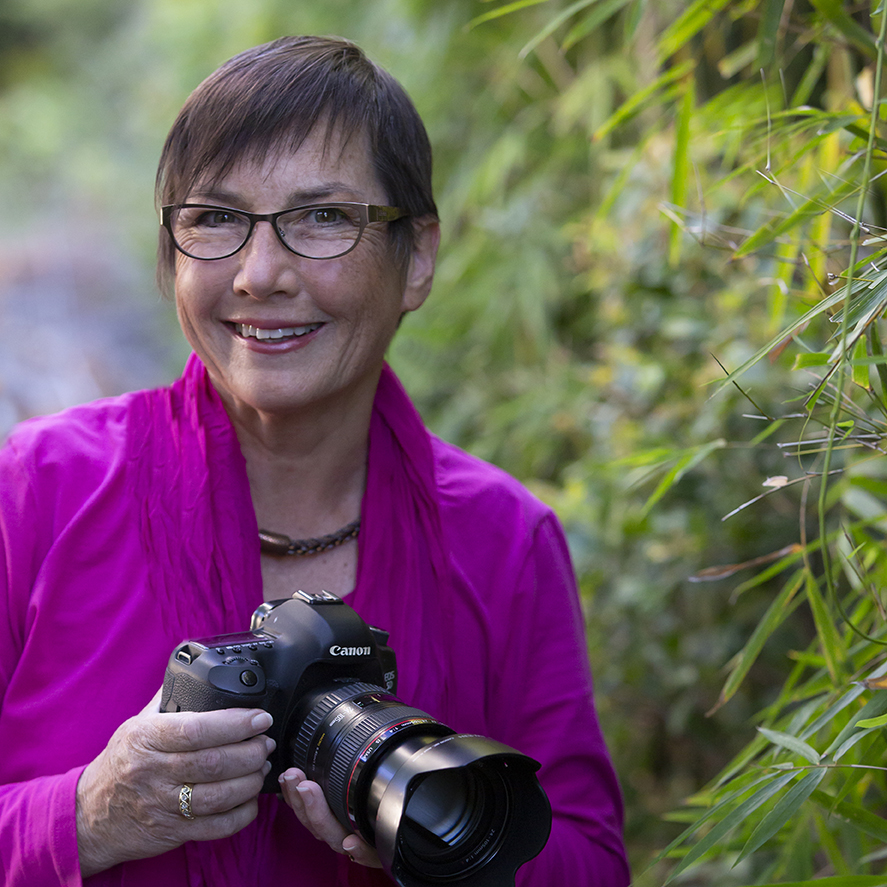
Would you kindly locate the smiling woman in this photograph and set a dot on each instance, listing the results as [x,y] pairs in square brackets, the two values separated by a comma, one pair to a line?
[298,227]
[350,306]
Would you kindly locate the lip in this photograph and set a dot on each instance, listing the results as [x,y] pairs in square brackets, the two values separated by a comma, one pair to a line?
[273,335]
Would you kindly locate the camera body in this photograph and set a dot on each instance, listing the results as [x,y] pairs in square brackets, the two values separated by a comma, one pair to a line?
[293,647]
[439,807]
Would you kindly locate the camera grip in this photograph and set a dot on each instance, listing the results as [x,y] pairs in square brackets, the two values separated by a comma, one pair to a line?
[183,692]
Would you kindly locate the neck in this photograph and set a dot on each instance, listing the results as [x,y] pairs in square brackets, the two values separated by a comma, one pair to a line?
[306,470]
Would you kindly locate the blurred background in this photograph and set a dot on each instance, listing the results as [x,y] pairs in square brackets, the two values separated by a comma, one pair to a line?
[594,185]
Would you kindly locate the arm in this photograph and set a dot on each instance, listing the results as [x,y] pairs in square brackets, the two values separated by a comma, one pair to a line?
[38,846]
[56,827]
[549,714]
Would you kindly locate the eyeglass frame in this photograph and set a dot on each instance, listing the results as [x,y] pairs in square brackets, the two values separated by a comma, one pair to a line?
[368,212]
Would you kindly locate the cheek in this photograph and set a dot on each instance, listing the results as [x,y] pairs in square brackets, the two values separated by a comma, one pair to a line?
[370,284]
[195,284]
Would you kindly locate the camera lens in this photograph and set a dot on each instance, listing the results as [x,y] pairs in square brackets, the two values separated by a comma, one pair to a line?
[453,821]
[340,740]
[438,806]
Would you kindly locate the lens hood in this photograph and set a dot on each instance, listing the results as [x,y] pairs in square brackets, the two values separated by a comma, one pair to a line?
[460,808]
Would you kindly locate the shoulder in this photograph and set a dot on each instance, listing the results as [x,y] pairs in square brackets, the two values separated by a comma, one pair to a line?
[487,516]
[467,484]
[76,435]
[69,455]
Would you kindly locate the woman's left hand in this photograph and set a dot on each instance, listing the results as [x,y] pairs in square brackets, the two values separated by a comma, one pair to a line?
[308,803]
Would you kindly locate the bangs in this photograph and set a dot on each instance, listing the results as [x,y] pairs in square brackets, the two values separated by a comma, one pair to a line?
[237,116]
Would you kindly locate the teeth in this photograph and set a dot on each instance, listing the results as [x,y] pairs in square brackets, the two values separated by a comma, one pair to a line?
[283,333]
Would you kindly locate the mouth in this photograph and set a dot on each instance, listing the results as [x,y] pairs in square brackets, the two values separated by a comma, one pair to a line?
[274,335]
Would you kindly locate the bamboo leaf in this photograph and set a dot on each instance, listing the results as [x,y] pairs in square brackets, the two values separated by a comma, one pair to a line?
[792,744]
[869,298]
[830,640]
[501,11]
[836,13]
[714,812]
[808,209]
[773,618]
[729,822]
[836,881]
[691,22]
[821,307]
[811,359]
[640,99]
[833,711]
[767,32]
[872,722]
[689,460]
[849,743]
[554,24]
[782,812]
[857,816]
[593,21]
[878,353]
[876,706]
[859,368]
[681,173]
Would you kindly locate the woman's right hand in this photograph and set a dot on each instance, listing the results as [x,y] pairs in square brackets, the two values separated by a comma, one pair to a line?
[128,797]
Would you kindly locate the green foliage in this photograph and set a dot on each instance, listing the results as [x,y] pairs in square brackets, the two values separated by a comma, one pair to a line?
[804,797]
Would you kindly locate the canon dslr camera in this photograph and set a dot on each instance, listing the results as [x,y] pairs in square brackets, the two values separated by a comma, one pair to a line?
[439,807]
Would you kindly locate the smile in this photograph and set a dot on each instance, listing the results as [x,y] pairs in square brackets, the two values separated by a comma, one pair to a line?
[287,332]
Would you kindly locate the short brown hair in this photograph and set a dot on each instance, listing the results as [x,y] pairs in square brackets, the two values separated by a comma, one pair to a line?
[268,99]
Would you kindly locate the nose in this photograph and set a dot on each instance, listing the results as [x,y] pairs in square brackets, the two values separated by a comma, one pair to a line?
[266,267]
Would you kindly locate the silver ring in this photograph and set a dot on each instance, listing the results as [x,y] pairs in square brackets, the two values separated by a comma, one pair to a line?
[185,801]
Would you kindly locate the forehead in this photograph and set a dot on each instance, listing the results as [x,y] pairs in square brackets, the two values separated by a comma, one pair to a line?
[325,163]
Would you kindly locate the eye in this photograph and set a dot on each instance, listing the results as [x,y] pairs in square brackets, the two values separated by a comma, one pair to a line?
[327,215]
[216,218]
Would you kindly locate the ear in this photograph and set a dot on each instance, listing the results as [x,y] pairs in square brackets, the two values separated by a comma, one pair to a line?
[420,269]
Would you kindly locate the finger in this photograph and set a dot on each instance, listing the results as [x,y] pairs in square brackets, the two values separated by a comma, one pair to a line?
[360,852]
[219,764]
[189,731]
[217,825]
[309,804]
[209,799]
[289,783]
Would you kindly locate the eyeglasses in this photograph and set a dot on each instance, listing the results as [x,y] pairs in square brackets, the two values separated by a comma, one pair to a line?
[316,231]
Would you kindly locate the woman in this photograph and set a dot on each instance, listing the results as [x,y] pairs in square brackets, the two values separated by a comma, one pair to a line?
[130,524]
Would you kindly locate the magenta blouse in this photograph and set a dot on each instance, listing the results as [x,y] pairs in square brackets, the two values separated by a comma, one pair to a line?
[126,526]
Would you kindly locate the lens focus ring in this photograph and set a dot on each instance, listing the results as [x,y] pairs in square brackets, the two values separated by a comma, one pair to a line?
[344,731]
[303,744]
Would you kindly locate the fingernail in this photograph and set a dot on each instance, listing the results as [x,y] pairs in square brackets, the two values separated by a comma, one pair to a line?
[350,844]
[270,744]
[262,721]
[266,768]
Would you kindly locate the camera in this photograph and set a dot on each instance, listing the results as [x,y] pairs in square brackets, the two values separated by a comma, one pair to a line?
[438,806]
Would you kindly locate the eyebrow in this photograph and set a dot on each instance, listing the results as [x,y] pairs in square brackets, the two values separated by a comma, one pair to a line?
[294,198]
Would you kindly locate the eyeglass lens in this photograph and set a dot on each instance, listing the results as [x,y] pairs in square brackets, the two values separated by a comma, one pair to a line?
[315,232]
